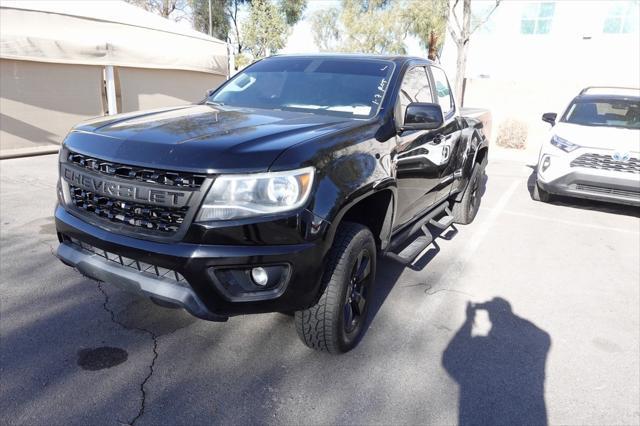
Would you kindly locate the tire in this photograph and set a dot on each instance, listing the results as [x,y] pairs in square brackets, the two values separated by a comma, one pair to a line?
[466,209]
[540,194]
[337,322]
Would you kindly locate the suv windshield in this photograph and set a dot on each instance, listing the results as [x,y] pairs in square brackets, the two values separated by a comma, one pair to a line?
[604,112]
[346,87]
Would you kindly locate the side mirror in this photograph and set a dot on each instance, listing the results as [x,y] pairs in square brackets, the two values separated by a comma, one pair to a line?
[550,117]
[422,116]
[208,93]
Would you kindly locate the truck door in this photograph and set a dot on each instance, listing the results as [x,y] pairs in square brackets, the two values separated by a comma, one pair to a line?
[449,135]
[418,155]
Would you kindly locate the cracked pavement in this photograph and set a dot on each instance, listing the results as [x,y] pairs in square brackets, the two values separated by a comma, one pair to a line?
[569,271]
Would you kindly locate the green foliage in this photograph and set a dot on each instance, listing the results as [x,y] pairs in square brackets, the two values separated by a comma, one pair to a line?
[171,9]
[380,26]
[292,10]
[324,26]
[219,19]
[367,26]
[425,17]
[266,30]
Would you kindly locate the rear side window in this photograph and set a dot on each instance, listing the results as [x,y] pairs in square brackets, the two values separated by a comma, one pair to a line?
[443,91]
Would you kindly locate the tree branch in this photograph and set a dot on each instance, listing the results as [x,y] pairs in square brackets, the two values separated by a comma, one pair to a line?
[455,37]
[455,17]
[484,21]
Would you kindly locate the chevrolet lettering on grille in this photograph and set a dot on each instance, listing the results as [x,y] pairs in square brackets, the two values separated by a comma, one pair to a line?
[125,190]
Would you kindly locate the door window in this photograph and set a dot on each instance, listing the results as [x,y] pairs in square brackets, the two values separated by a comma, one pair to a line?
[443,90]
[415,88]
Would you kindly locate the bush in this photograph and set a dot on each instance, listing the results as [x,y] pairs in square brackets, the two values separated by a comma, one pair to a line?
[512,133]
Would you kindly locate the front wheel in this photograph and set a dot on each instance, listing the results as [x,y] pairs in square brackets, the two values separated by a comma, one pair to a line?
[540,194]
[337,322]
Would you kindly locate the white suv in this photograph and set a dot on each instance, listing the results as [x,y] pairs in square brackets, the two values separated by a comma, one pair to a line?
[593,151]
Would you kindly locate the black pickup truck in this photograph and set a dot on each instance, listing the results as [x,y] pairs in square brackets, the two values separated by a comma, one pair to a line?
[276,193]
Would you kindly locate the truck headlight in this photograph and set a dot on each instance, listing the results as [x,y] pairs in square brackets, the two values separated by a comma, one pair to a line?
[563,144]
[239,196]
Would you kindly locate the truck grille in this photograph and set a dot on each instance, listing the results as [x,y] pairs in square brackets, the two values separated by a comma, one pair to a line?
[606,162]
[150,217]
[141,174]
[609,191]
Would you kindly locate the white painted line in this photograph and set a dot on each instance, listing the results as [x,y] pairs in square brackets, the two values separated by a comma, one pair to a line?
[453,273]
[567,222]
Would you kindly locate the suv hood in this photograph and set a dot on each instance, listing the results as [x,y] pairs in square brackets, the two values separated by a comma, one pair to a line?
[200,138]
[599,137]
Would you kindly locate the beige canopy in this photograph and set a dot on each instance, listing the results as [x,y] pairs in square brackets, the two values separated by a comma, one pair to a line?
[104,33]
[65,61]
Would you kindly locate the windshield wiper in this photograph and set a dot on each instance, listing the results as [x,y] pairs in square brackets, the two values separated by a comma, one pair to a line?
[214,103]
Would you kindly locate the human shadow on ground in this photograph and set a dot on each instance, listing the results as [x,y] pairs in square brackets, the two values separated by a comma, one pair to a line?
[583,203]
[501,374]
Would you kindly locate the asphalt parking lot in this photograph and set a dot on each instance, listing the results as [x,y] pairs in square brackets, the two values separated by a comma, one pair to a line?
[563,280]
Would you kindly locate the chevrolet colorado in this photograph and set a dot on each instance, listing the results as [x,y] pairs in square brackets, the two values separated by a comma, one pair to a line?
[276,193]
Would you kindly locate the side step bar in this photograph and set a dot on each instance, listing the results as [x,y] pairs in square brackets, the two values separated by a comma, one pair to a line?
[408,253]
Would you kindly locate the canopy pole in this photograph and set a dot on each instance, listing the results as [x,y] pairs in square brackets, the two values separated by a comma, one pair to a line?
[112,106]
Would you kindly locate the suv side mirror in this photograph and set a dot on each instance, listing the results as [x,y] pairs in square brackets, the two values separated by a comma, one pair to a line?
[209,93]
[422,116]
[550,117]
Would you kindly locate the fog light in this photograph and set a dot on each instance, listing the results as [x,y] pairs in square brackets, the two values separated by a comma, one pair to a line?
[259,276]
[546,163]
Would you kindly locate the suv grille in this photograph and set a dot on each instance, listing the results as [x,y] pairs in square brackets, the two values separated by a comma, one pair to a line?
[151,217]
[606,162]
[611,191]
[141,174]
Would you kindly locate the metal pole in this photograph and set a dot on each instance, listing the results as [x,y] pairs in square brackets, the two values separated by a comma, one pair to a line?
[210,32]
[112,106]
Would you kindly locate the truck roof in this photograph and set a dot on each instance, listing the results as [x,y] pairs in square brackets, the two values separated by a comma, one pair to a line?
[398,59]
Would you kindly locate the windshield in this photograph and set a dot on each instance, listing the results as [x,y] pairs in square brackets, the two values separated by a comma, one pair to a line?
[604,112]
[346,87]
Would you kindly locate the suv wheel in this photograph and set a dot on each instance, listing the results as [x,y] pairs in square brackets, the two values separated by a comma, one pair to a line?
[465,211]
[336,323]
[540,194]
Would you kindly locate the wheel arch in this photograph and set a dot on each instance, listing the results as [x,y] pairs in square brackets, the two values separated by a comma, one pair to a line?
[375,211]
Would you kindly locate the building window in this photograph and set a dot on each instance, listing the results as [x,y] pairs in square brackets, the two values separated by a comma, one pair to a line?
[537,17]
[622,18]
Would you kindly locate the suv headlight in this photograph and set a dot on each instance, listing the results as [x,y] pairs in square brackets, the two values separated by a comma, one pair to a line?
[563,144]
[239,196]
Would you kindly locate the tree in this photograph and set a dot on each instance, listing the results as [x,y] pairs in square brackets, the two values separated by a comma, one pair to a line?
[227,25]
[367,26]
[292,10]
[266,30]
[219,19]
[427,21]
[172,9]
[461,34]
[324,26]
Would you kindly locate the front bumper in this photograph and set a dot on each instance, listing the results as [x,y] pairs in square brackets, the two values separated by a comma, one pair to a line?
[593,187]
[602,185]
[199,292]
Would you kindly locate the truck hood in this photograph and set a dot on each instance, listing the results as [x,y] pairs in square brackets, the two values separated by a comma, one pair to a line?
[201,138]
[600,137]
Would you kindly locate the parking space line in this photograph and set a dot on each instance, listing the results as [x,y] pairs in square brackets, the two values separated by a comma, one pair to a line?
[452,274]
[566,222]
[454,271]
